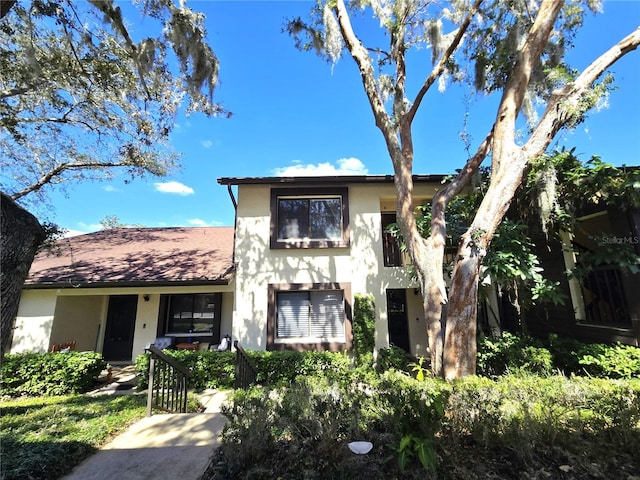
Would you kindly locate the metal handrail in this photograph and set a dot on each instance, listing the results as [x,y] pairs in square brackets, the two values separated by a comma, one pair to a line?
[246,372]
[168,380]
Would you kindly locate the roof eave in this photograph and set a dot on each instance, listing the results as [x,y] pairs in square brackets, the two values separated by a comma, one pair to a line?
[435,178]
[123,284]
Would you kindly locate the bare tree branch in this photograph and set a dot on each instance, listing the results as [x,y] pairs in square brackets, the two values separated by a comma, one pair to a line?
[363,60]
[519,78]
[47,177]
[15,91]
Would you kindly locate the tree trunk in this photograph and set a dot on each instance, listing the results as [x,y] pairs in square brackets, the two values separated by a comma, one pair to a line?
[433,289]
[460,337]
[21,235]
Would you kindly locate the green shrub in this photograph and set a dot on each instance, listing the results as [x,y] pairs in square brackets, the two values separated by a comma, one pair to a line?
[208,369]
[411,406]
[610,361]
[364,328]
[50,373]
[283,367]
[595,359]
[217,369]
[301,430]
[512,353]
[525,410]
[392,357]
[566,354]
[315,417]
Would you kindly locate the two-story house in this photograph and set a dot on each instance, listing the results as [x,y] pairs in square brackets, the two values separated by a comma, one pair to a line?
[306,245]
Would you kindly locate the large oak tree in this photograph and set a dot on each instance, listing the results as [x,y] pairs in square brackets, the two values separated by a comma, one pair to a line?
[514,49]
[84,97]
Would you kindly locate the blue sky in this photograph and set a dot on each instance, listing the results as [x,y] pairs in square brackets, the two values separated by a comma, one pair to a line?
[292,110]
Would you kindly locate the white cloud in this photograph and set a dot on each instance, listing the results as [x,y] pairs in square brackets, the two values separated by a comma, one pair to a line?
[345,166]
[174,187]
[198,222]
[206,143]
[82,229]
[111,188]
[69,232]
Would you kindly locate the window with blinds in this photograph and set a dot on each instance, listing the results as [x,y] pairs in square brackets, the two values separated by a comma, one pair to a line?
[317,314]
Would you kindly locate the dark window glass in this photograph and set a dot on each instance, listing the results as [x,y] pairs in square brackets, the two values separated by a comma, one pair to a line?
[293,218]
[326,218]
[312,218]
[390,245]
[192,313]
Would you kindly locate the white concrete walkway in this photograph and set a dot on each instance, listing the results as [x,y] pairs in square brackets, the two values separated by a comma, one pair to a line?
[166,446]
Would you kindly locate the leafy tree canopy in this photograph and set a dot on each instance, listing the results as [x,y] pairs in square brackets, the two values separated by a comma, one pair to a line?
[81,98]
[473,43]
[558,189]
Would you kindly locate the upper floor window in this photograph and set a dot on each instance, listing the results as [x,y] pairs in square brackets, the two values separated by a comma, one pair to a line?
[309,218]
[390,245]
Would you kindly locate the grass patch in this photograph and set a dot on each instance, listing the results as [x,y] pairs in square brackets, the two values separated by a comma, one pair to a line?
[45,437]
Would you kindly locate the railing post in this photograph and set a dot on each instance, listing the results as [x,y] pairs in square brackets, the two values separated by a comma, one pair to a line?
[152,371]
[245,371]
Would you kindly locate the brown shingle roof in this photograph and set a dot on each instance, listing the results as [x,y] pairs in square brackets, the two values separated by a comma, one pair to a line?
[129,256]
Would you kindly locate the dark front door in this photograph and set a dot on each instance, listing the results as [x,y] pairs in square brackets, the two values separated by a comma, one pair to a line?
[397,318]
[121,319]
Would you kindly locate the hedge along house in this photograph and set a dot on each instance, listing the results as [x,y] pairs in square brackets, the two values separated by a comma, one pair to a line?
[117,290]
[306,245]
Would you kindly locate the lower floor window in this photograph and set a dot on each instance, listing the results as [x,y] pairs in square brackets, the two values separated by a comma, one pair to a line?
[315,314]
[193,313]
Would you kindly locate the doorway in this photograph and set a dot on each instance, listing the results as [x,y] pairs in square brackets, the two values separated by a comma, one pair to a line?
[121,320]
[397,318]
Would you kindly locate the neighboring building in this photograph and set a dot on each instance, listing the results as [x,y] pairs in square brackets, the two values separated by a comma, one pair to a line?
[604,305]
[115,291]
[284,279]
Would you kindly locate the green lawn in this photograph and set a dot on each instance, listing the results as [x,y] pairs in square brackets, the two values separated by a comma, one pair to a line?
[45,437]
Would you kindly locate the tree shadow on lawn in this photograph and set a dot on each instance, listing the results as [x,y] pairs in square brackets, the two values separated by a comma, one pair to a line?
[45,437]
[41,460]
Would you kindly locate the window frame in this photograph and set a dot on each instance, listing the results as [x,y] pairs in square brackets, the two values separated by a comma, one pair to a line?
[308,343]
[310,194]
[215,320]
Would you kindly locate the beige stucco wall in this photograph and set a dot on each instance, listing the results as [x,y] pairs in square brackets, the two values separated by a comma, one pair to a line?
[361,264]
[146,323]
[79,318]
[34,321]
